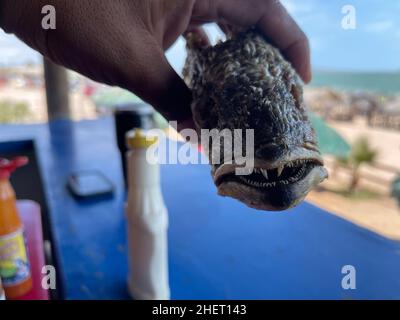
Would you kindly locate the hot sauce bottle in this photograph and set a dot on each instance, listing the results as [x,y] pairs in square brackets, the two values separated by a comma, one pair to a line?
[14,262]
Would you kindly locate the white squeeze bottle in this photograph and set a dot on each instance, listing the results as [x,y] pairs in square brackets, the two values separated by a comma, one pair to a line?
[147,222]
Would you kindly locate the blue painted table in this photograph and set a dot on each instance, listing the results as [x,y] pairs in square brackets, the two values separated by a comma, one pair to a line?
[218,248]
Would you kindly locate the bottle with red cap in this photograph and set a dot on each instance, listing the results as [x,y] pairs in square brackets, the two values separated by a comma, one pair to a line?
[14,263]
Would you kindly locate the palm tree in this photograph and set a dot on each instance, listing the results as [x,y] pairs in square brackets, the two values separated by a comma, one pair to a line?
[361,153]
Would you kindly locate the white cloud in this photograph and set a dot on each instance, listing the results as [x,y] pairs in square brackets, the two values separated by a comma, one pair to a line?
[316,44]
[380,26]
[290,6]
[15,52]
[295,7]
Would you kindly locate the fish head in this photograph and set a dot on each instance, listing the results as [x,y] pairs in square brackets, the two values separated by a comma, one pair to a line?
[246,84]
[284,156]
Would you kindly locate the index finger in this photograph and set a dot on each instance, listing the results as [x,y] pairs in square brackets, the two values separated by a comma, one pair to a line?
[271,17]
[284,32]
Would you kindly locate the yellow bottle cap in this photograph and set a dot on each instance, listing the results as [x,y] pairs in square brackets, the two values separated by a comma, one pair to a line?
[137,139]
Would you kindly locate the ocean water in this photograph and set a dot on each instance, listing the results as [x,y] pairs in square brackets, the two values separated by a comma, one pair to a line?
[384,83]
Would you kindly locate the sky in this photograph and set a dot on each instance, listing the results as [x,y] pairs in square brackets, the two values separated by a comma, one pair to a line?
[374,44]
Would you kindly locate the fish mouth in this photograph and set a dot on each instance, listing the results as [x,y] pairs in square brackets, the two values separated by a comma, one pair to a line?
[272,186]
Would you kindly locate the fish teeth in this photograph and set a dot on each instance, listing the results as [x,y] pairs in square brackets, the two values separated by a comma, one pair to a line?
[280,170]
[298,164]
[264,173]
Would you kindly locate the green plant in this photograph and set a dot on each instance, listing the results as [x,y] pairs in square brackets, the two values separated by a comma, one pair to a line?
[361,153]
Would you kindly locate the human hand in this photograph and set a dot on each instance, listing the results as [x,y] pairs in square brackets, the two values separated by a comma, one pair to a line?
[122,42]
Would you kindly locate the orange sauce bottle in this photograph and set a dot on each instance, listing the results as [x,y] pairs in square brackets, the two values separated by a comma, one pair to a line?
[14,262]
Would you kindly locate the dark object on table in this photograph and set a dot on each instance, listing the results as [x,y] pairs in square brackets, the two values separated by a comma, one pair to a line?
[128,117]
[90,184]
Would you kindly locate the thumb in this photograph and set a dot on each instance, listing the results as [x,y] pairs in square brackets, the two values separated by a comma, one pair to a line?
[153,79]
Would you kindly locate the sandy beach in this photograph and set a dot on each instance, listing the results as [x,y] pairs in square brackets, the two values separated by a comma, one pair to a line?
[385,142]
[379,214]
